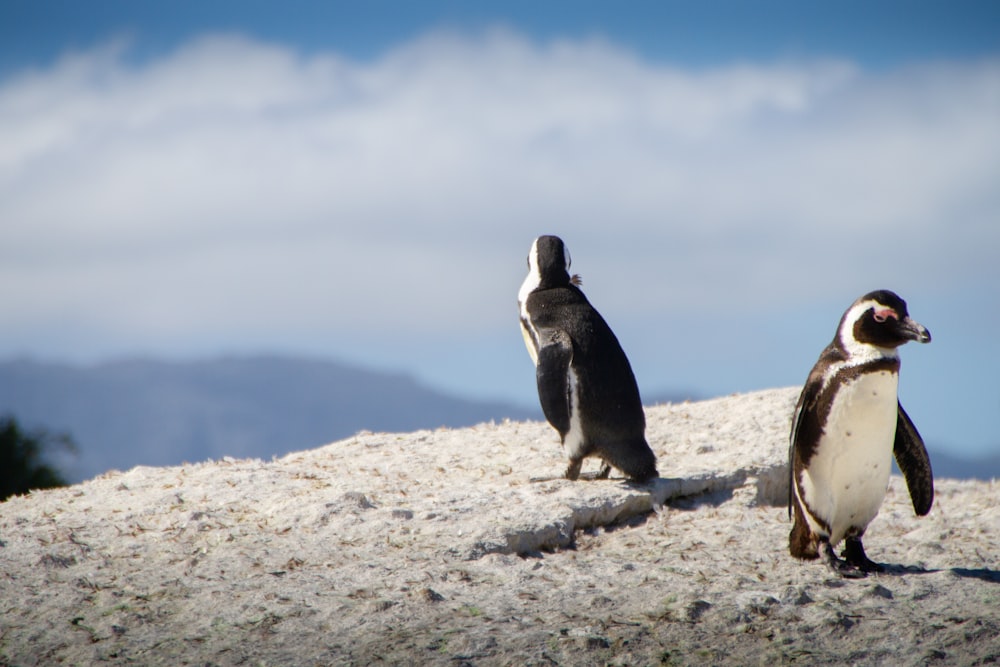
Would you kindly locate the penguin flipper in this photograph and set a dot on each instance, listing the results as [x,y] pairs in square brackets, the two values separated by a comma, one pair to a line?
[914,463]
[796,420]
[804,412]
[555,352]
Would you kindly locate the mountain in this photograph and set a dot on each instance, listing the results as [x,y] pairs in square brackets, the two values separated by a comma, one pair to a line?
[947,465]
[140,412]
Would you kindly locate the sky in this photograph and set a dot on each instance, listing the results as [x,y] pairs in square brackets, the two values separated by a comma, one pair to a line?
[362,182]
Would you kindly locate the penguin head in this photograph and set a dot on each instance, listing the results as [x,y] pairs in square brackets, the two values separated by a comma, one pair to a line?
[549,262]
[880,319]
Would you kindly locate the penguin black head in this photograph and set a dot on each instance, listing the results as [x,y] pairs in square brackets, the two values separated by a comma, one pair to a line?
[549,262]
[879,319]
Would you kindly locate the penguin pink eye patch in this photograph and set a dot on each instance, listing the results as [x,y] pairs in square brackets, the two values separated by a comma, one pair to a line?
[884,314]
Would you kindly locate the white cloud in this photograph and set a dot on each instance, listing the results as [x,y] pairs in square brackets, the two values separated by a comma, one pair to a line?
[238,190]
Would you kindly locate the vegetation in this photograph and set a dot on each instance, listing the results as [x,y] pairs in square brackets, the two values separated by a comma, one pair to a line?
[22,459]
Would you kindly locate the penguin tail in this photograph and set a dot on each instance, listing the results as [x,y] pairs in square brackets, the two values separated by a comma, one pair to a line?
[636,460]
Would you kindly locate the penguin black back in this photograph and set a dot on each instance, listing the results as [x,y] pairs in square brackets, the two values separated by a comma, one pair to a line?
[586,385]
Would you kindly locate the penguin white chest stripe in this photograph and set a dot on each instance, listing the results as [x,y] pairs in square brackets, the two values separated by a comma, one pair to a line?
[573,443]
[530,338]
[846,479]
[527,329]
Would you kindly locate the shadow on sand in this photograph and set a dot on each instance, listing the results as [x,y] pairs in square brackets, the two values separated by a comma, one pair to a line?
[983,574]
[897,570]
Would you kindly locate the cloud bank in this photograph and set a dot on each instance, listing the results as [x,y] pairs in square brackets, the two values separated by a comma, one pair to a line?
[236,192]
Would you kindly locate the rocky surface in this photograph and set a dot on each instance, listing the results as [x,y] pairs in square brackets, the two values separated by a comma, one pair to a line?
[437,547]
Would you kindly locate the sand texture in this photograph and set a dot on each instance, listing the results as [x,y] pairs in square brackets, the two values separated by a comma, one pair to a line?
[436,547]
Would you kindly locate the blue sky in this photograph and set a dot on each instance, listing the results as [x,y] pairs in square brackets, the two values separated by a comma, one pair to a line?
[696,33]
[362,182]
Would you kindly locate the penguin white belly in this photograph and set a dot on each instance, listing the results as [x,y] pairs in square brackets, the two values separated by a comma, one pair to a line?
[573,444]
[846,480]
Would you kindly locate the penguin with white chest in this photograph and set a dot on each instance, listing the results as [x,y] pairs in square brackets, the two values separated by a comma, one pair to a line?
[586,386]
[847,426]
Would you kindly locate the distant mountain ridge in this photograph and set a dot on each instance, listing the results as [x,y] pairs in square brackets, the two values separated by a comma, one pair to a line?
[142,412]
[145,412]
[983,468]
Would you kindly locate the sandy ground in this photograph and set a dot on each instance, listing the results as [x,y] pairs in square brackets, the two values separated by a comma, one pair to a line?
[436,547]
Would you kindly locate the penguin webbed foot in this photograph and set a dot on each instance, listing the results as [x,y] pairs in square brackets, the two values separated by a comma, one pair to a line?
[573,469]
[573,473]
[854,553]
[843,568]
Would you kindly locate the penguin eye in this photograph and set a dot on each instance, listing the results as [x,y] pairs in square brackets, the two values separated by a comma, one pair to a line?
[883,315]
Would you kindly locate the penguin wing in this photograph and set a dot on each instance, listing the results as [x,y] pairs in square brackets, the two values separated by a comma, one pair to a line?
[914,463]
[806,404]
[555,352]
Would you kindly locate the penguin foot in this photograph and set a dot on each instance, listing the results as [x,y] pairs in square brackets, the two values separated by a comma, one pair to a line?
[854,553]
[843,568]
[573,473]
[589,476]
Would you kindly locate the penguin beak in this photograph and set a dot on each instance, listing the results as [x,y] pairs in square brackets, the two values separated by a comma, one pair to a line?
[912,330]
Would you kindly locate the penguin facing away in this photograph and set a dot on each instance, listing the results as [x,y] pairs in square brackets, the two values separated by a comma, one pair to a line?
[585,384]
[847,426]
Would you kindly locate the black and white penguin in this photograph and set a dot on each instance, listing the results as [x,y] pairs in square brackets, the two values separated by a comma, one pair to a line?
[846,428]
[585,383]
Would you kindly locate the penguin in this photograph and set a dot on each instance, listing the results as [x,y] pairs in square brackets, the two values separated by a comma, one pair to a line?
[585,384]
[847,426]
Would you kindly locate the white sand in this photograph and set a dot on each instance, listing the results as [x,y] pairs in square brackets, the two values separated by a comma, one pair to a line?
[435,548]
